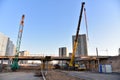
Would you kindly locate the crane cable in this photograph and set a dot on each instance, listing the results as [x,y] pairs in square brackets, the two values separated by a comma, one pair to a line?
[86,23]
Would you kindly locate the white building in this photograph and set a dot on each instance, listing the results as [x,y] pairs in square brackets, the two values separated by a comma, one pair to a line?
[7,47]
[3,44]
[24,53]
[62,52]
[82,45]
[10,48]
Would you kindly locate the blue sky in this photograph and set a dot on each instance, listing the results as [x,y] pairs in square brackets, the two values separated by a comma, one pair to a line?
[50,24]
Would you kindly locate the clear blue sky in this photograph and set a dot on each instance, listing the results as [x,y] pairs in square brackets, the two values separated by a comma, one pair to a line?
[50,24]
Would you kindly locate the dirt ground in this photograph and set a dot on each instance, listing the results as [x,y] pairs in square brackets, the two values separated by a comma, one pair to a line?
[19,76]
[58,75]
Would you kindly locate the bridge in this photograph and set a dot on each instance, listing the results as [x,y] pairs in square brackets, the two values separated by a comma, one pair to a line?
[33,58]
[53,58]
[88,60]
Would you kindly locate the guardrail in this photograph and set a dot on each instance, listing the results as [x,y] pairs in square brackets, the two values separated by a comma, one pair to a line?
[44,74]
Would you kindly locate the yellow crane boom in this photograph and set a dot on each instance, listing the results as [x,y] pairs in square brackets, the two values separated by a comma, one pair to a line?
[71,64]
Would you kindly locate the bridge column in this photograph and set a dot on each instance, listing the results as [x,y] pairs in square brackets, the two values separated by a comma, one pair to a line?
[9,61]
[43,65]
[1,65]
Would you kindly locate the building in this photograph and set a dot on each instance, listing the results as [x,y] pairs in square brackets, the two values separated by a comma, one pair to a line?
[3,44]
[70,54]
[7,47]
[62,52]
[119,52]
[24,53]
[10,48]
[82,45]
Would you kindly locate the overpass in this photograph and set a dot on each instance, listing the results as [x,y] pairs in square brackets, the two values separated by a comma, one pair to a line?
[53,58]
[88,60]
[33,58]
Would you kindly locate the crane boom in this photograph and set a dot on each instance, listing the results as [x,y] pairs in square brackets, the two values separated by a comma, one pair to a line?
[76,38]
[86,23]
[15,65]
[20,35]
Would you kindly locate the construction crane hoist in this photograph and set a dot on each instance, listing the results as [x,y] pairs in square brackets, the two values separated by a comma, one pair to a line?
[15,65]
[72,61]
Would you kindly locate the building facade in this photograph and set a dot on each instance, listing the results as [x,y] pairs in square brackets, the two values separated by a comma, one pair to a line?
[3,44]
[82,45]
[62,52]
[119,51]
[7,47]
[24,53]
[10,48]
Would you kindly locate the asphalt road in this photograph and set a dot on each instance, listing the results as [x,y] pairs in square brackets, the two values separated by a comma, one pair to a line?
[18,76]
[94,76]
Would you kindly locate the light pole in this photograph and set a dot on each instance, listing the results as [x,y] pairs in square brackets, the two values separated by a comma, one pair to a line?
[97,58]
[97,55]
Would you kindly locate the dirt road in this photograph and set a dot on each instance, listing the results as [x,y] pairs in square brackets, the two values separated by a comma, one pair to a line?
[18,76]
[94,76]
[58,75]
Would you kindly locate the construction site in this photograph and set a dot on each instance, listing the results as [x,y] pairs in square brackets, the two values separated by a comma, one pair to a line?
[62,67]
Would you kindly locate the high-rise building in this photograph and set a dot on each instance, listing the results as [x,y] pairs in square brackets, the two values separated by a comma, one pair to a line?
[7,47]
[62,52]
[10,48]
[3,44]
[82,45]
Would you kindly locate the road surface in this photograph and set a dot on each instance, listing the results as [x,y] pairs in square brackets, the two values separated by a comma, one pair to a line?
[94,76]
[19,76]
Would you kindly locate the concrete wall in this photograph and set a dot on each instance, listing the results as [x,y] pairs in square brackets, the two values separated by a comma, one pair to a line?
[114,61]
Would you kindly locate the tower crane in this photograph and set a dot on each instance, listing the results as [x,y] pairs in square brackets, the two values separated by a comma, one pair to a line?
[15,65]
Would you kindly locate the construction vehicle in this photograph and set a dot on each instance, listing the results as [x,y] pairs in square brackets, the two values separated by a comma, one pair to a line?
[15,65]
[72,64]
[81,67]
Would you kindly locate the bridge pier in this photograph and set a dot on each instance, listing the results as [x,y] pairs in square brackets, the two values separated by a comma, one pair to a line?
[9,62]
[43,64]
[1,65]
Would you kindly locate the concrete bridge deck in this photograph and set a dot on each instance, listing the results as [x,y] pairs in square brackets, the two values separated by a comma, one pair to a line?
[51,58]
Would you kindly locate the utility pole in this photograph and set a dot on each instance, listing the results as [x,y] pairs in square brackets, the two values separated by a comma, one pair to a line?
[97,52]
[97,57]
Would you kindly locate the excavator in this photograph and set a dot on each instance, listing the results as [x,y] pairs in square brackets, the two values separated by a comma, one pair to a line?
[15,65]
[72,65]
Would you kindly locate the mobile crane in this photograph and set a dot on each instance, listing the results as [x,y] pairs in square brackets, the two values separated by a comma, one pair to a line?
[15,65]
[72,61]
